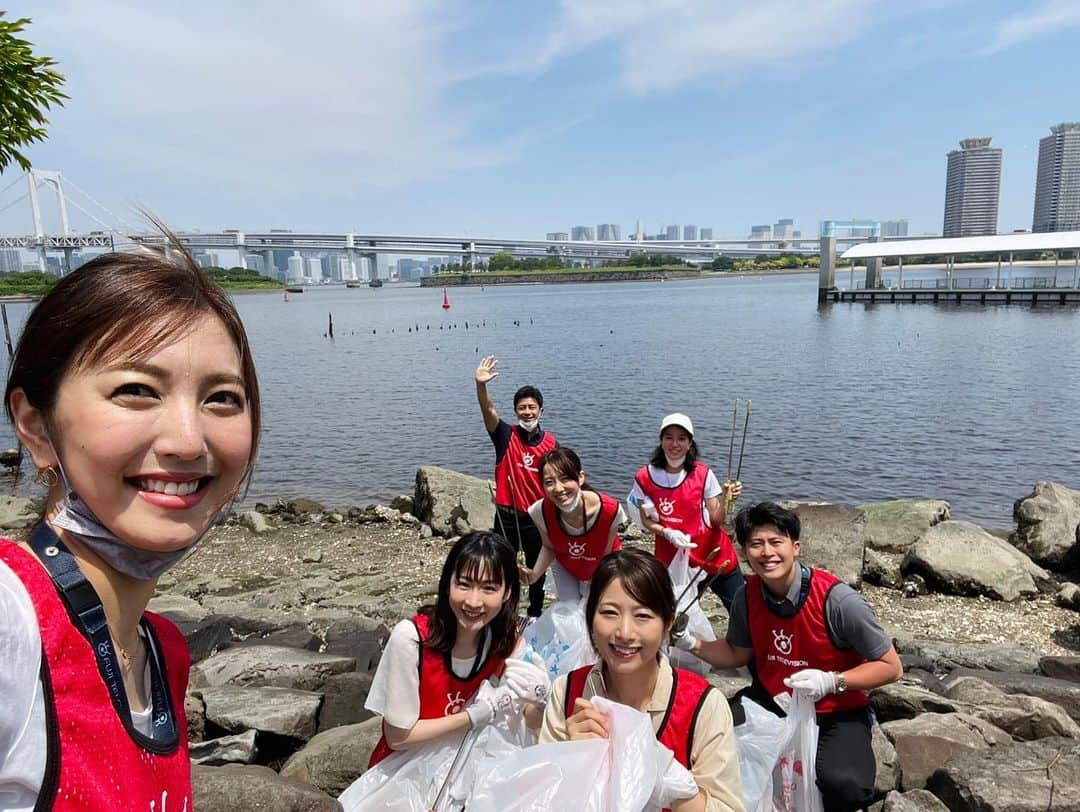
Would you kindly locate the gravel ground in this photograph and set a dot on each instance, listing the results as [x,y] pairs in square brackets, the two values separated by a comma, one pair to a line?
[404,569]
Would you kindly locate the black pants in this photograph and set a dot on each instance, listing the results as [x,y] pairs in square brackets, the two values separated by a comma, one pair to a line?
[519,530]
[845,760]
[726,586]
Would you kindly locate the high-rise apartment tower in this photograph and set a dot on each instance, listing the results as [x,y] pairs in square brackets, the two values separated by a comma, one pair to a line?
[972,185]
[1057,185]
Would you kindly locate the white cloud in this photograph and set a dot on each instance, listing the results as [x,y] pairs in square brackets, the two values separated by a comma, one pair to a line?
[664,43]
[271,96]
[1051,17]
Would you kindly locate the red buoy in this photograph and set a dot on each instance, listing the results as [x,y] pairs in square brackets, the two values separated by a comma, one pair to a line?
[445,300]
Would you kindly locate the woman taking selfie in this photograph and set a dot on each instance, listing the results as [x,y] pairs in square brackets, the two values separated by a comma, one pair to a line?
[134,392]
[630,611]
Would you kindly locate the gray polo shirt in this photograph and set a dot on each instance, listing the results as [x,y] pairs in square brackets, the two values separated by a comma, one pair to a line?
[851,621]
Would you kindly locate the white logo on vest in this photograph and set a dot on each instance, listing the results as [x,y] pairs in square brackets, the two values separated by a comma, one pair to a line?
[782,641]
[667,506]
[577,549]
[527,460]
[454,703]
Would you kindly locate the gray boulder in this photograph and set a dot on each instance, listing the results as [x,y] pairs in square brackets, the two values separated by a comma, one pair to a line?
[343,700]
[918,800]
[195,715]
[177,608]
[895,525]
[1025,777]
[442,496]
[256,522]
[334,759]
[282,711]
[1023,717]
[1048,526]
[246,787]
[17,512]
[963,559]
[833,538]
[239,749]
[1068,597]
[925,742]
[887,777]
[882,569]
[944,656]
[900,700]
[1060,692]
[1067,668]
[269,666]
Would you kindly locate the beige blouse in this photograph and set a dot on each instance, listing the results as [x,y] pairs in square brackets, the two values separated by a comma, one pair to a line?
[714,761]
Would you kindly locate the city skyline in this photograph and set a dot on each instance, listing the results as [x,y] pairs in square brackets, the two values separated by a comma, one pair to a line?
[692,113]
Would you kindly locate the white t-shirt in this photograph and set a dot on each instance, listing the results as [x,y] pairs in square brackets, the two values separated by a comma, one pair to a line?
[395,689]
[23,739]
[662,477]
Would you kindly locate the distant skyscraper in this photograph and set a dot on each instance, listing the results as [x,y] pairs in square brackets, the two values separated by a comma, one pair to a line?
[582,233]
[784,229]
[314,269]
[671,233]
[1057,185]
[560,236]
[10,261]
[972,186]
[762,232]
[608,231]
[894,228]
[689,232]
[705,234]
[346,271]
[296,268]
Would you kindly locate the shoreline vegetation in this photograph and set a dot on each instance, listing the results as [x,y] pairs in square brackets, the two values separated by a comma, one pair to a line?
[29,285]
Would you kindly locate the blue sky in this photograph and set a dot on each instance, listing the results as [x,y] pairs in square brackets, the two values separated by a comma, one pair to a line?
[514,119]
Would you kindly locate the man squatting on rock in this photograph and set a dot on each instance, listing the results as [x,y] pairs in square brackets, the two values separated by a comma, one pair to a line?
[801,628]
[518,450]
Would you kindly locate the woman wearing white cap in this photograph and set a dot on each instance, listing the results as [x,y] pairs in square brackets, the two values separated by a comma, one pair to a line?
[683,503]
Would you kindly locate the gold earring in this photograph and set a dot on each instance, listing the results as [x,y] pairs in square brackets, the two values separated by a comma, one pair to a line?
[47,476]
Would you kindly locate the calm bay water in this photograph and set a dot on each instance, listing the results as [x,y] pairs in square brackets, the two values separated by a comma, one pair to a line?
[851,403]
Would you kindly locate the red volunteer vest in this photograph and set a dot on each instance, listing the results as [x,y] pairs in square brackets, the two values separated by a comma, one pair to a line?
[441,692]
[784,645]
[676,733]
[681,508]
[580,555]
[93,763]
[517,474]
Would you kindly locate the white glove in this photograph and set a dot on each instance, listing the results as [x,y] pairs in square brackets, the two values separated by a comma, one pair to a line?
[648,508]
[684,641]
[673,781]
[488,705]
[815,683]
[527,682]
[678,538]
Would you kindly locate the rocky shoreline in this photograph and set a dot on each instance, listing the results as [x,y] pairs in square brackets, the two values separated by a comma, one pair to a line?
[286,609]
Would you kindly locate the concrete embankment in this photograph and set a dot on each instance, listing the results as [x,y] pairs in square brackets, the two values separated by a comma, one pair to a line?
[559,278]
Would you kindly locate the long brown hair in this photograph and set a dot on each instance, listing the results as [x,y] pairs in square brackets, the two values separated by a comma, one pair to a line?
[122,305]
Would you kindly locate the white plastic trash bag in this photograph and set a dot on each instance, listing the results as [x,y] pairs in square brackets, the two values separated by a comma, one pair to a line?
[697,623]
[561,638]
[410,780]
[778,756]
[619,774]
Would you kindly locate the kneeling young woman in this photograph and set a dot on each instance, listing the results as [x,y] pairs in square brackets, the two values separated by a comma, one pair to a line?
[435,661]
[630,611]
[578,526]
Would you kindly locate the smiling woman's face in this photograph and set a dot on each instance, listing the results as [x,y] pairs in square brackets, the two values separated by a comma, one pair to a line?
[155,446]
[627,634]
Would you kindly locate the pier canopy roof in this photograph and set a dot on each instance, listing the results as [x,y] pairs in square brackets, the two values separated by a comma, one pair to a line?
[951,246]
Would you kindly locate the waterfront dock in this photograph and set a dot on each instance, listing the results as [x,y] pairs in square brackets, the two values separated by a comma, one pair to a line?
[938,292]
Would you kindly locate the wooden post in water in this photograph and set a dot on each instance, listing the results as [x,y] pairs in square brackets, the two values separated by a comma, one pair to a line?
[826,269]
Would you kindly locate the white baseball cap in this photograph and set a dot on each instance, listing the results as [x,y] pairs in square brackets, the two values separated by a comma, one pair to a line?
[677,419]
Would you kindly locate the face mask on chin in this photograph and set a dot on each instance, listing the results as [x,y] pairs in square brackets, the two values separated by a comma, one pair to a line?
[76,517]
[572,506]
[529,425]
[675,462]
